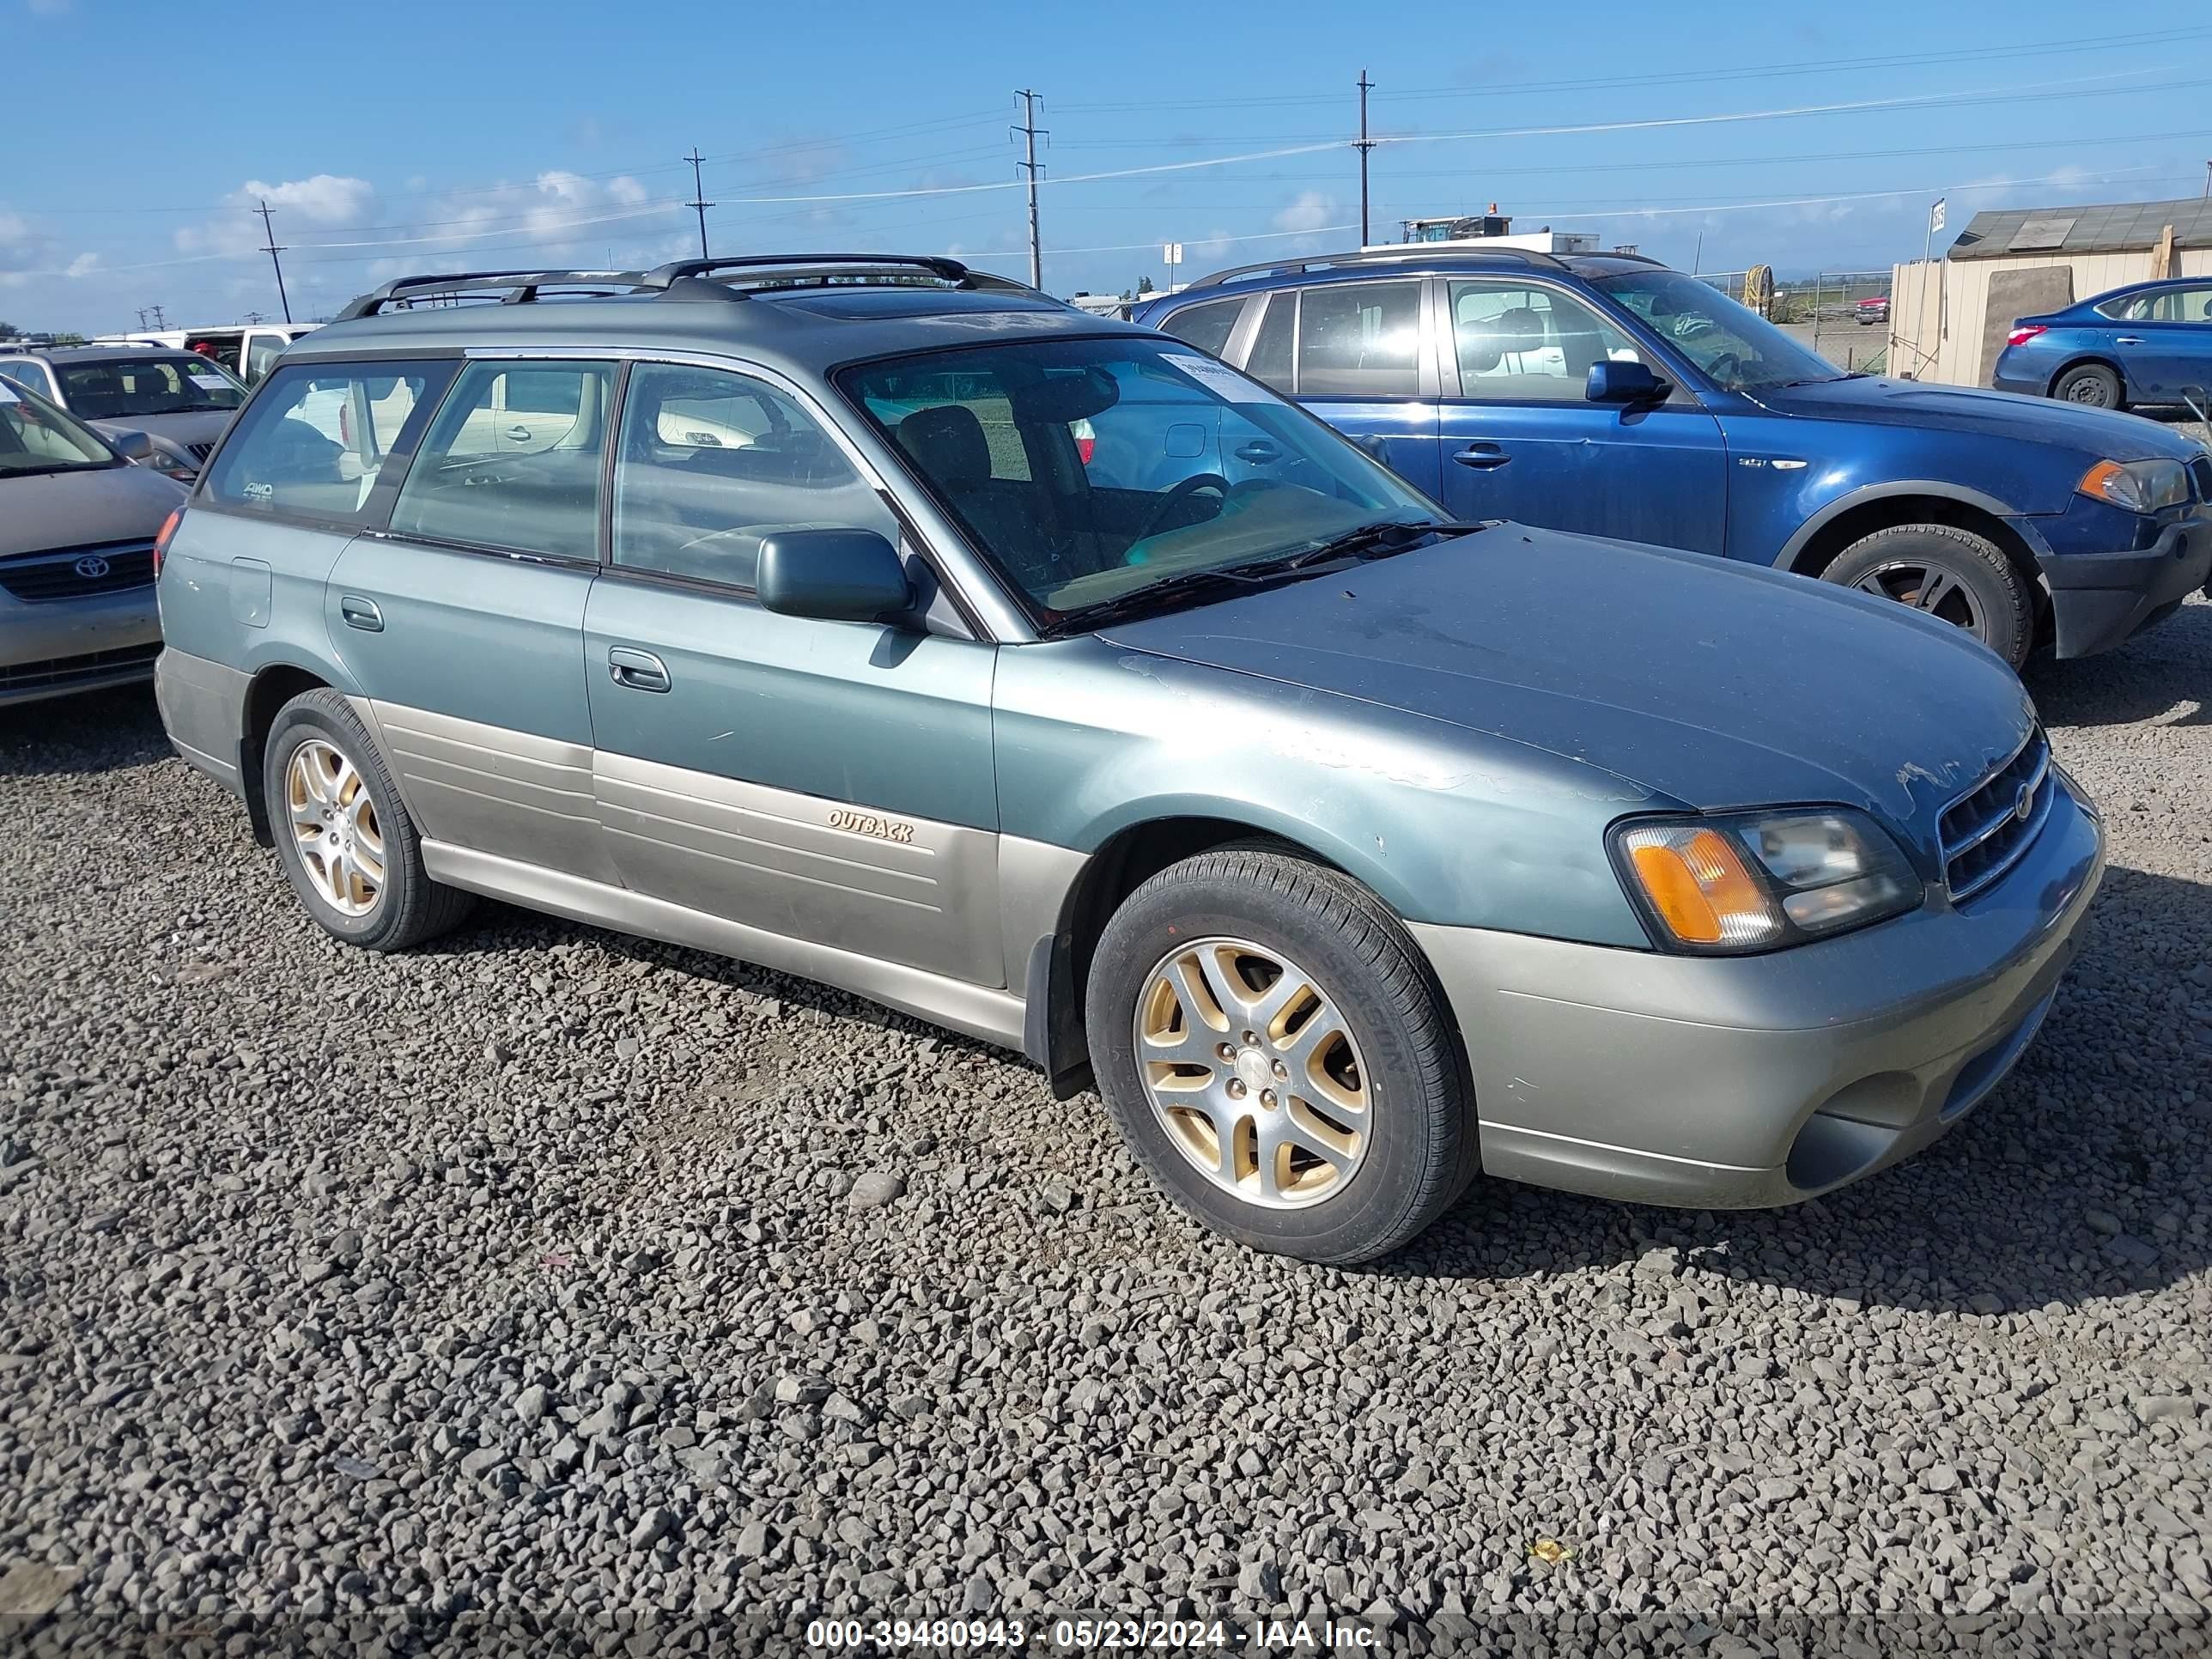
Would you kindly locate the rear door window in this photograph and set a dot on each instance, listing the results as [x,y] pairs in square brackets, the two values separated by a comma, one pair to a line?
[1360,340]
[1207,326]
[512,460]
[316,438]
[1271,352]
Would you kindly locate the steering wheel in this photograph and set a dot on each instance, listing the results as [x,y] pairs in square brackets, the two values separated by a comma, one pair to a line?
[1725,367]
[1187,488]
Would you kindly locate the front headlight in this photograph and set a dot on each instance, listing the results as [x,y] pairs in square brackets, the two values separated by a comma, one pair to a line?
[1757,881]
[2138,486]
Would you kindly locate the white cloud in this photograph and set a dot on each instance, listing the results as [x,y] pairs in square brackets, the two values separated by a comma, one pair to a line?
[325,199]
[84,265]
[1312,209]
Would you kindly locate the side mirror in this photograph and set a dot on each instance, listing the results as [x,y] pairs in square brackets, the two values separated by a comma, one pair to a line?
[131,444]
[834,575]
[1625,382]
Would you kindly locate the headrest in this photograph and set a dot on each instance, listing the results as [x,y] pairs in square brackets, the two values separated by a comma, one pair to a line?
[947,443]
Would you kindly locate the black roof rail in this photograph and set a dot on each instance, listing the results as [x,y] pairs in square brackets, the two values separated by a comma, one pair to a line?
[675,278]
[1395,254]
[519,287]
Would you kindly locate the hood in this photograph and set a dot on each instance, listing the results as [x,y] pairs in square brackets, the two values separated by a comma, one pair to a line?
[46,511]
[1718,686]
[2095,433]
[202,427]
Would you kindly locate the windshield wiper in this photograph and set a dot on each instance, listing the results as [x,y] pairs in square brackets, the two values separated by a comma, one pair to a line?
[1375,541]
[1366,541]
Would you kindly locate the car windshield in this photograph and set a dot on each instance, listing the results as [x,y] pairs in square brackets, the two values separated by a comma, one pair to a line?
[122,388]
[1092,470]
[1736,347]
[36,437]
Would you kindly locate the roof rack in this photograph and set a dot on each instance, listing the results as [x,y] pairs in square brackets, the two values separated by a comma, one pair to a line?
[790,270]
[516,288]
[679,279]
[1517,255]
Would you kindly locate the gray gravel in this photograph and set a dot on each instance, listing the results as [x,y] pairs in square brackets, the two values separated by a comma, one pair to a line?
[552,1288]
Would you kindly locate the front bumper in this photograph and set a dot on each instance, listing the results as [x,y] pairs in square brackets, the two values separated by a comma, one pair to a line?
[1740,1083]
[2100,601]
[55,649]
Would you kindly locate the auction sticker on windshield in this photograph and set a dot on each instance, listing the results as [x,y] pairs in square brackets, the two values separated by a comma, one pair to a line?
[1220,378]
[210,382]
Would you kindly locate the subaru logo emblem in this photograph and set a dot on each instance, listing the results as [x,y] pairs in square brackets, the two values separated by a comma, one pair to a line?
[2024,804]
[92,567]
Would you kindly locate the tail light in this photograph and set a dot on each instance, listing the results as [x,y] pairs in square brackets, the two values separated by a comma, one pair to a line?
[345,427]
[161,542]
[2023,332]
[1086,441]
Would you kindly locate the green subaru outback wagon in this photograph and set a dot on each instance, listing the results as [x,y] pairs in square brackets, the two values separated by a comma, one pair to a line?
[883,622]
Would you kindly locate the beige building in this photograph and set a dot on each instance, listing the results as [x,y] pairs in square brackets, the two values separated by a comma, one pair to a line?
[1947,319]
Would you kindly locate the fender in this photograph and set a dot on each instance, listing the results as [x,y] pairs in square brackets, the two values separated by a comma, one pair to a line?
[1962,494]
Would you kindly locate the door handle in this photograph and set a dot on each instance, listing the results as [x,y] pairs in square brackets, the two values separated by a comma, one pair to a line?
[1260,452]
[2127,339]
[1483,455]
[519,433]
[640,671]
[361,613]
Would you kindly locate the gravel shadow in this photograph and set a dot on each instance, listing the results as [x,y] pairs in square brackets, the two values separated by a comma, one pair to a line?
[2164,676]
[95,732]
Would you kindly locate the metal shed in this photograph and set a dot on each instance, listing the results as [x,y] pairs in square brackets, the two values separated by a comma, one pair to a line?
[1948,318]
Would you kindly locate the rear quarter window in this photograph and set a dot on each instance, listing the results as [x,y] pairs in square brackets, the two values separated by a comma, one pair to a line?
[316,437]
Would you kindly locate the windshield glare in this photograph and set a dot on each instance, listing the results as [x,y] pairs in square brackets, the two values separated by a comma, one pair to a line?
[1736,348]
[121,388]
[36,437]
[1090,470]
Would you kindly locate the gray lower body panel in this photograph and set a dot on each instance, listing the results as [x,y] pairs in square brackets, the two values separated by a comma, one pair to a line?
[992,1014]
[203,706]
[1745,1082]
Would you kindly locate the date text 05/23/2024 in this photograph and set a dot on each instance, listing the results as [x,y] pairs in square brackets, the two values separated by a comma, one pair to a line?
[1090,1634]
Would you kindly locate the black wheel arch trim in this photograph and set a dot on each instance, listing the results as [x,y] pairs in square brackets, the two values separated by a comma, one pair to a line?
[1964,494]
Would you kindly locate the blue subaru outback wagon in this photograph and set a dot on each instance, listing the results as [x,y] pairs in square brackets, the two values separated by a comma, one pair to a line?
[1607,394]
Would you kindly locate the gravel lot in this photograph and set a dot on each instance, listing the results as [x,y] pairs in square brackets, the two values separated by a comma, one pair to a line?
[586,1293]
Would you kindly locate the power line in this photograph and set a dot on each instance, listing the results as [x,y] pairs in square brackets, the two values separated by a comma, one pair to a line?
[1028,129]
[698,201]
[269,228]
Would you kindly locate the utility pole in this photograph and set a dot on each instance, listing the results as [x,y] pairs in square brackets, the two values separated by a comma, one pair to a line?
[142,319]
[160,320]
[272,251]
[1030,130]
[698,201]
[1364,144]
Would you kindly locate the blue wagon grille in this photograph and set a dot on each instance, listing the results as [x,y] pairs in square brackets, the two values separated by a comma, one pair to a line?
[75,573]
[1986,831]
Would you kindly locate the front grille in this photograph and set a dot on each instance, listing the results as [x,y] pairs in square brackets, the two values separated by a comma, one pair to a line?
[1986,831]
[2201,470]
[59,672]
[76,573]
[201,452]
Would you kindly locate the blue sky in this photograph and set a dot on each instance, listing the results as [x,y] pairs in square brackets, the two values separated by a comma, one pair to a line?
[410,137]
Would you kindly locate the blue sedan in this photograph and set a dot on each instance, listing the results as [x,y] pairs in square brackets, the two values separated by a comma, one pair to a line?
[2149,342]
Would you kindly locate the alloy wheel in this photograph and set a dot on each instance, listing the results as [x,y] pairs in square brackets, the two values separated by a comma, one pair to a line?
[1251,1068]
[1926,587]
[334,828]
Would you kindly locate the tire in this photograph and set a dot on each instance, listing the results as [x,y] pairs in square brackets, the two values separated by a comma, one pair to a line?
[1399,1161]
[2091,385]
[330,843]
[1962,577]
